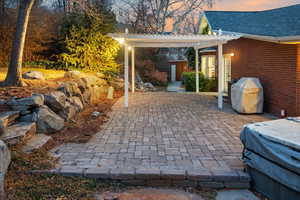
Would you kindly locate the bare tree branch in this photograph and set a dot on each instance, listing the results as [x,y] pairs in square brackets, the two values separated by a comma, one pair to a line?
[158,13]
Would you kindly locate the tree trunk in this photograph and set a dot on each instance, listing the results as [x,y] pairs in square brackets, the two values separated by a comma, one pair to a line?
[2,7]
[14,74]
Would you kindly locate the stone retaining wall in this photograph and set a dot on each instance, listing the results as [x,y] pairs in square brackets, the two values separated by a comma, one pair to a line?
[47,113]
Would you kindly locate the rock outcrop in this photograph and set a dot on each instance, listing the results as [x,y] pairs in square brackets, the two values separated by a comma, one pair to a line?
[56,100]
[46,113]
[70,89]
[6,119]
[48,121]
[72,74]
[34,101]
[34,75]
[5,159]
[19,132]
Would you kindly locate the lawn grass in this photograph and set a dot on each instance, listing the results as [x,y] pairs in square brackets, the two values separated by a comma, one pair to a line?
[48,73]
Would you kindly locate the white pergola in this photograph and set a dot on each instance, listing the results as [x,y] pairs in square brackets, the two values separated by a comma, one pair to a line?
[132,41]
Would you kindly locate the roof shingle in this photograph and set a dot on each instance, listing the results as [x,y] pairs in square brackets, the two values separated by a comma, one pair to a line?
[277,22]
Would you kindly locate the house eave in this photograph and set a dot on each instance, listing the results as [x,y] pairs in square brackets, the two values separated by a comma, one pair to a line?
[281,40]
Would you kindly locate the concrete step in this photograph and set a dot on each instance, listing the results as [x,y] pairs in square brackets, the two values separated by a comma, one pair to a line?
[20,132]
[6,119]
[36,142]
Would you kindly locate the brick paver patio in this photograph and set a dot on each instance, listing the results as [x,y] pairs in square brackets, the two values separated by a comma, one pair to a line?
[173,132]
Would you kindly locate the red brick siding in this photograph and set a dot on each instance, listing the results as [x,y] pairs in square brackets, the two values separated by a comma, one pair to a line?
[275,65]
[298,80]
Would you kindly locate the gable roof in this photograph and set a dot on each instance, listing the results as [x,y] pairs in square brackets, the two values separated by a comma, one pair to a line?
[280,22]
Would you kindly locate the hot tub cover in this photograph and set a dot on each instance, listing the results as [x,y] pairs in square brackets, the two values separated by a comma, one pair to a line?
[247,96]
[273,148]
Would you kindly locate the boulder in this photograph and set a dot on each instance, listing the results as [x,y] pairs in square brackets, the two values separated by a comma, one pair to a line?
[110,93]
[2,192]
[96,92]
[36,142]
[6,119]
[118,83]
[102,82]
[77,103]
[20,108]
[2,102]
[100,75]
[29,118]
[149,86]
[5,159]
[56,101]
[34,75]
[70,89]
[34,101]
[68,112]
[19,133]
[81,85]
[91,81]
[72,74]
[65,107]
[86,95]
[139,83]
[48,121]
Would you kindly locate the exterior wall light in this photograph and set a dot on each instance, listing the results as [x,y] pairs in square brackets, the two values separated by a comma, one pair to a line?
[129,48]
[121,40]
[231,54]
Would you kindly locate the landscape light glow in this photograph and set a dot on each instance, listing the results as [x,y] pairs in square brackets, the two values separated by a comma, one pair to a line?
[120,40]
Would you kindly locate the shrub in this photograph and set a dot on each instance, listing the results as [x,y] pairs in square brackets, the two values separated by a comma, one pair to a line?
[90,51]
[83,42]
[205,84]
[191,54]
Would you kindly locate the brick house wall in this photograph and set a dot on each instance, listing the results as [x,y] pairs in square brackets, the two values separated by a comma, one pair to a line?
[276,65]
[298,80]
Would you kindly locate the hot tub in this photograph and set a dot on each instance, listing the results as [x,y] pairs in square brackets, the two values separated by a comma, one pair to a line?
[272,155]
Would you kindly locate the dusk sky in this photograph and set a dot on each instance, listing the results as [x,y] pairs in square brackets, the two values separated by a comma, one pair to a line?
[250,5]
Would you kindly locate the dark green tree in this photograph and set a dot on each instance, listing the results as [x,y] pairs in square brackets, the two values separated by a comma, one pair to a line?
[84,44]
[190,54]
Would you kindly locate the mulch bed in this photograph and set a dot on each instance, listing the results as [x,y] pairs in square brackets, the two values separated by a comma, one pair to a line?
[84,125]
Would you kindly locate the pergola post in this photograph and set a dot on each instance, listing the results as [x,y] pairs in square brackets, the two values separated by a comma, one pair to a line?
[126,76]
[133,70]
[197,69]
[220,76]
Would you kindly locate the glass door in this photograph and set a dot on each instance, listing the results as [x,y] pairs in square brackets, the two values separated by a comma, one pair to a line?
[227,71]
[208,66]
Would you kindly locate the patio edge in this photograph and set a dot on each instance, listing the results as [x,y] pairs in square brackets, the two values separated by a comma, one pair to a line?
[216,179]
